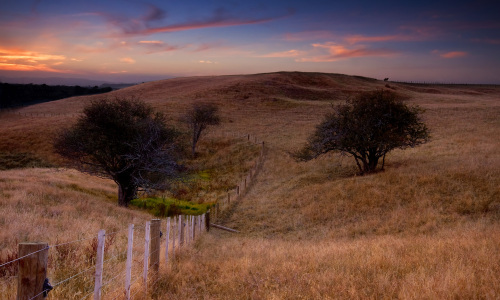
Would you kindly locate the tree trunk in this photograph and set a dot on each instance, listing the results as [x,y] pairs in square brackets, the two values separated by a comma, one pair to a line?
[126,193]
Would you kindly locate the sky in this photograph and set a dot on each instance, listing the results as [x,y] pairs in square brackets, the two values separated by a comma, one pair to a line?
[133,41]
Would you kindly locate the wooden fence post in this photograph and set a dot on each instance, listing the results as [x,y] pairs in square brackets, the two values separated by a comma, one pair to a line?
[181,231]
[194,227]
[207,220]
[167,238]
[154,252]
[32,270]
[173,237]
[146,256]
[99,264]
[128,268]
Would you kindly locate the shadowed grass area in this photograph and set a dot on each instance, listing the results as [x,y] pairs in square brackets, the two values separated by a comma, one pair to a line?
[166,207]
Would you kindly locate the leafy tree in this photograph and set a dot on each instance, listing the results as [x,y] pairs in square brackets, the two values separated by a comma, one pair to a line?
[124,140]
[198,118]
[367,127]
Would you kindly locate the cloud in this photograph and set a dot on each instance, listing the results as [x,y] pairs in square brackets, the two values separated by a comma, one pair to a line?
[451,54]
[158,46]
[337,52]
[20,60]
[289,53]
[354,39]
[207,62]
[143,25]
[127,60]
[151,42]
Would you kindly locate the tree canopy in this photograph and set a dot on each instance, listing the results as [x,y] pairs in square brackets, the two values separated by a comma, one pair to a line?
[124,140]
[367,127]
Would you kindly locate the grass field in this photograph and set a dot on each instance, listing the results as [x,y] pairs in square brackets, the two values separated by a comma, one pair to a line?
[428,227]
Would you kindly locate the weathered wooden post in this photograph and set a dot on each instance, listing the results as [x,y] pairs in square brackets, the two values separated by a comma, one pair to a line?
[128,266]
[173,237]
[32,270]
[181,231]
[207,220]
[154,261]
[99,264]
[167,238]
[146,256]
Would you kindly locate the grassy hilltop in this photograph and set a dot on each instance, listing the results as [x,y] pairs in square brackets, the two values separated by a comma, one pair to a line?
[427,227]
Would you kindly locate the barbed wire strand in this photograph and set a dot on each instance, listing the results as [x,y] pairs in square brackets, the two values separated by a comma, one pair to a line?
[19,258]
[69,278]
[72,242]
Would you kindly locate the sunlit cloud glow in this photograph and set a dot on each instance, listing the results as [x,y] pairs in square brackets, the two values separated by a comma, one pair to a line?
[127,60]
[19,60]
[451,54]
[289,53]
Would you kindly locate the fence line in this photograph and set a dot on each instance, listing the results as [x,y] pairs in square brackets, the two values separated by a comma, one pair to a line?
[181,231]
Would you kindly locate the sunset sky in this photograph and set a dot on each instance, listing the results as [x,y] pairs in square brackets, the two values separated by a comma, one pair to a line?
[128,40]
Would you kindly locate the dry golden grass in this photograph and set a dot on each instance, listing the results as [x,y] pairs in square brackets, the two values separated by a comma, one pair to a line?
[426,228]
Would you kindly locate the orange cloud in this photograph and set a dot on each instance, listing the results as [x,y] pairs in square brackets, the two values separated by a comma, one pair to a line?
[337,52]
[127,60]
[18,60]
[151,42]
[453,54]
[354,39]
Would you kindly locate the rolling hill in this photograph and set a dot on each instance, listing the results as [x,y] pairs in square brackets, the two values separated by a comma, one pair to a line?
[427,227]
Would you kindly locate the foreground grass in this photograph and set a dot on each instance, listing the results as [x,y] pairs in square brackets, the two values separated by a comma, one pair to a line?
[448,265]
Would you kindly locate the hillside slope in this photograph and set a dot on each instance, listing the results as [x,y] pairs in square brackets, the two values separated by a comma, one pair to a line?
[427,227]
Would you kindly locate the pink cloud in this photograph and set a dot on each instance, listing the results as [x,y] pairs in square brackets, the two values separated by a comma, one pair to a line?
[451,54]
[151,42]
[354,39]
[337,52]
[127,60]
[289,53]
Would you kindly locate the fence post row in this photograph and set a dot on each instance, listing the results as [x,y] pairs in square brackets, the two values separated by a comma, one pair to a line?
[33,257]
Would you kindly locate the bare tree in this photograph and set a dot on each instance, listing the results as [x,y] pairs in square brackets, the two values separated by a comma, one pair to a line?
[124,140]
[367,128]
[198,118]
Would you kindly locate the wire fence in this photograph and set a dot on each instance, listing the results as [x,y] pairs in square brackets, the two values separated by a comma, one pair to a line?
[119,264]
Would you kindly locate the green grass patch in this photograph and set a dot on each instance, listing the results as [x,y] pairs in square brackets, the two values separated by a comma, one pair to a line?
[166,207]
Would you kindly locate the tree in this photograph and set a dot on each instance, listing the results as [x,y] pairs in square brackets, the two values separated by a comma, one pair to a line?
[367,127]
[198,118]
[124,140]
